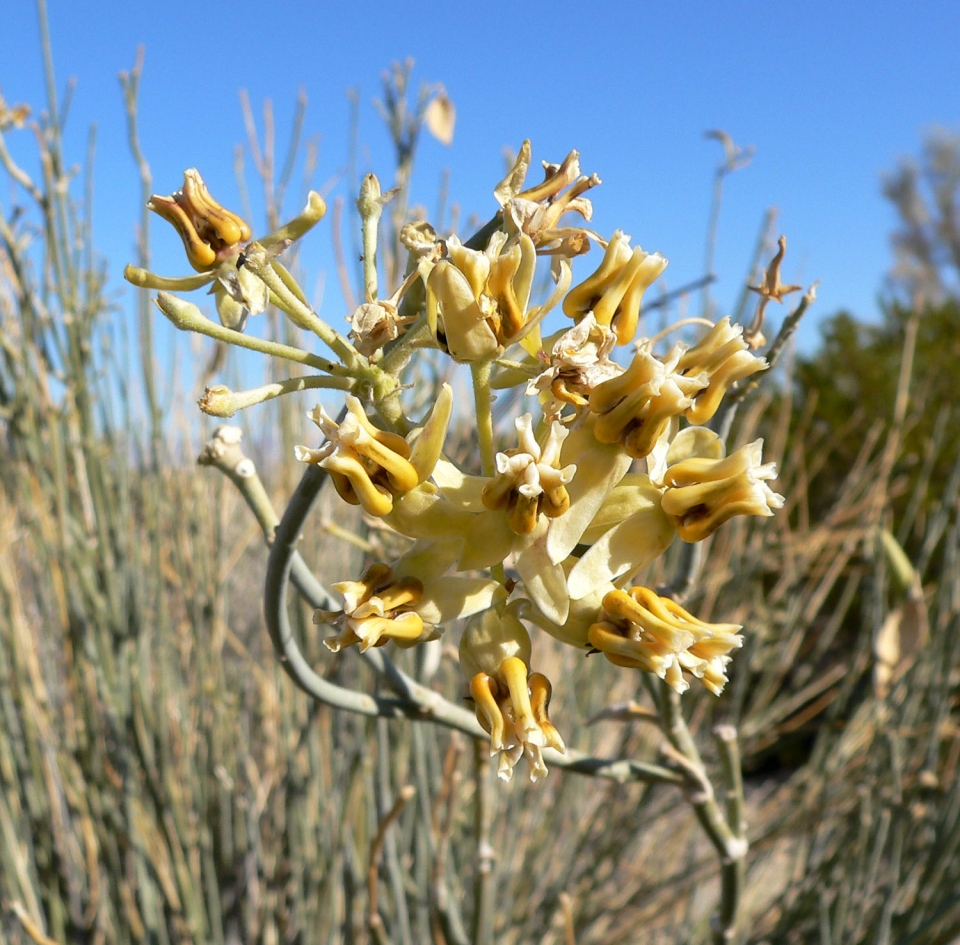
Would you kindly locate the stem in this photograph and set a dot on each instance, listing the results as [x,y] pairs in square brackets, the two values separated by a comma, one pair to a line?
[291,303]
[131,87]
[732,874]
[374,922]
[484,887]
[480,371]
[484,409]
[731,847]
[712,236]
[187,317]
[220,401]
[397,354]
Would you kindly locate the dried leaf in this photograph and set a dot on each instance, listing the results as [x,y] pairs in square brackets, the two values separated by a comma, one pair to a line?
[902,636]
[440,117]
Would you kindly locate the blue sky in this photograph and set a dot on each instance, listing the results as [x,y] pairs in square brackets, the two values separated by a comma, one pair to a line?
[829,94]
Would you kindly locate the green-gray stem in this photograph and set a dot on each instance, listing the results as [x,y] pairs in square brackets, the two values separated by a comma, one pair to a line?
[187,317]
[484,410]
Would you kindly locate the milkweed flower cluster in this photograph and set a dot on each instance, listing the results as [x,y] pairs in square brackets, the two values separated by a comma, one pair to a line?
[609,462]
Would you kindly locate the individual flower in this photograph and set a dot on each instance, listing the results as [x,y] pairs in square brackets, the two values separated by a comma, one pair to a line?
[529,480]
[615,291]
[477,300]
[725,358]
[538,555]
[371,467]
[638,628]
[514,512]
[215,240]
[703,492]
[637,407]
[536,211]
[407,603]
[454,314]
[376,322]
[579,361]
[511,702]
[373,324]
[209,232]
[508,288]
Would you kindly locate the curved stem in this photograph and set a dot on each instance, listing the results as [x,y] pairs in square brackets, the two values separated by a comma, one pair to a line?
[291,658]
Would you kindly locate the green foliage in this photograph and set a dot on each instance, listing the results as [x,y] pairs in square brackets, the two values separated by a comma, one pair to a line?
[849,387]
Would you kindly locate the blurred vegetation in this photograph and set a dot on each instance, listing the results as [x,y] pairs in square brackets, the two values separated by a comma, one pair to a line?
[850,382]
[162,781]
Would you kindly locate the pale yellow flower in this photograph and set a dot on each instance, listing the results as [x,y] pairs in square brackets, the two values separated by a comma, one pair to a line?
[638,628]
[529,481]
[704,492]
[725,358]
[615,291]
[536,211]
[406,603]
[579,361]
[511,702]
[538,555]
[638,407]
[477,300]
[371,467]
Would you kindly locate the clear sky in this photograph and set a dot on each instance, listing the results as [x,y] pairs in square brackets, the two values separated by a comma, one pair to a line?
[830,94]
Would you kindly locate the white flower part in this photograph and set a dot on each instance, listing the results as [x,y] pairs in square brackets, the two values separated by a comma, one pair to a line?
[758,474]
[522,215]
[533,467]
[322,419]
[316,456]
[373,324]
[580,359]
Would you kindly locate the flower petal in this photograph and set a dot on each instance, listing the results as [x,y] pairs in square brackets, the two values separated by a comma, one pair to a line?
[624,549]
[599,468]
[449,598]
[545,582]
[489,541]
